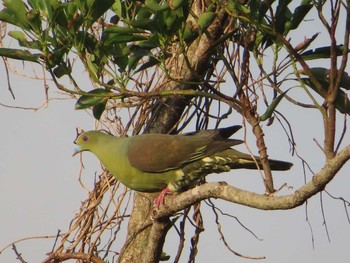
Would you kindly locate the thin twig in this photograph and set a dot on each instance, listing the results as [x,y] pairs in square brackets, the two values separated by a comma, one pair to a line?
[19,255]
[222,236]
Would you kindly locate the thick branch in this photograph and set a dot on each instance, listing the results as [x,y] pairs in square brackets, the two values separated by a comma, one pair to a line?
[259,201]
[156,239]
[60,257]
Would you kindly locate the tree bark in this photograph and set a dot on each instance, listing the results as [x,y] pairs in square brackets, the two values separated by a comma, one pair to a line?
[145,237]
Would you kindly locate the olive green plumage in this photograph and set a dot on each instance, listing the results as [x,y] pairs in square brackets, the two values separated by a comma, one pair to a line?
[153,162]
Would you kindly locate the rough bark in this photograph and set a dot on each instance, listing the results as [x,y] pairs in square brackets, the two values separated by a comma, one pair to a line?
[145,237]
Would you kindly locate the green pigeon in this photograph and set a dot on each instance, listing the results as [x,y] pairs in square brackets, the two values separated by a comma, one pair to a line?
[169,163]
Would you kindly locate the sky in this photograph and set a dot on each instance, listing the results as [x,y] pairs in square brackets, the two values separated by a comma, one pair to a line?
[40,192]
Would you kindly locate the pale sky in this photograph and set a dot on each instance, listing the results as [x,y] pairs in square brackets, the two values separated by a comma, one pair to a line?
[40,193]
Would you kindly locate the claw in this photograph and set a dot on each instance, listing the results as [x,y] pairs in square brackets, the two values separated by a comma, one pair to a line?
[159,200]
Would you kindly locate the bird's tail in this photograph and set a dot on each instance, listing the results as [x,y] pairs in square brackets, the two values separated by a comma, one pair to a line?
[241,160]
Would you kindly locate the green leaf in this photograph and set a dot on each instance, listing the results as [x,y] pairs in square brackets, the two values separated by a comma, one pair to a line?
[273,105]
[62,70]
[190,32]
[123,30]
[152,62]
[44,6]
[86,40]
[205,20]
[144,13]
[19,54]
[175,4]
[20,37]
[118,8]
[113,39]
[154,6]
[17,9]
[341,102]
[98,8]
[59,15]
[283,15]
[34,19]
[6,17]
[122,62]
[22,40]
[138,53]
[146,24]
[299,14]
[164,256]
[171,22]
[88,101]
[98,109]
[322,52]
[322,74]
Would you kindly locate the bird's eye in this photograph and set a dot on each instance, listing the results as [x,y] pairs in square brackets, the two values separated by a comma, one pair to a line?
[85,138]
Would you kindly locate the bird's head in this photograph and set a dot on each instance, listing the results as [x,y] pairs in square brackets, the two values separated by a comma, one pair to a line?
[86,141]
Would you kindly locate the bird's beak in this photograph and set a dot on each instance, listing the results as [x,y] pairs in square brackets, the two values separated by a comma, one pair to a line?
[76,150]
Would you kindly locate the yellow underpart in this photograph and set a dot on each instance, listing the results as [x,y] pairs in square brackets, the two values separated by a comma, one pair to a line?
[218,159]
[179,173]
[207,160]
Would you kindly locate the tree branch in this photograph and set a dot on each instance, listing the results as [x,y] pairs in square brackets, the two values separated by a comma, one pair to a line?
[264,202]
[55,257]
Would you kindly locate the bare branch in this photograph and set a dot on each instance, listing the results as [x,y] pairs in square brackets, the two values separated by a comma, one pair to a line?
[54,257]
[19,255]
[264,202]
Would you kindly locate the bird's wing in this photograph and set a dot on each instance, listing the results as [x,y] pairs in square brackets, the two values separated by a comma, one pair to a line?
[216,134]
[160,152]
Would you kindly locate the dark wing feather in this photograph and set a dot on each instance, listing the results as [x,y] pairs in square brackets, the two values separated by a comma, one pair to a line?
[161,152]
[216,134]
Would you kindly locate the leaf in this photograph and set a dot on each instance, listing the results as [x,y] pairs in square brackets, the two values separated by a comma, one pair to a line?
[34,19]
[112,39]
[144,13]
[322,52]
[205,20]
[164,256]
[19,54]
[17,9]
[155,7]
[98,8]
[44,6]
[175,4]
[123,30]
[299,13]
[62,70]
[20,37]
[283,16]
[341,102]
[190,33]
[118,8]
[88,101]
[86,40]
[146,24]
[273,105]
[322,74]
[98,109]
[150,63]
[60,16]
[122,62]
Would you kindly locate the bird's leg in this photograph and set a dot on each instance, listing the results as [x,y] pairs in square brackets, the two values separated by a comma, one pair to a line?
[159,200]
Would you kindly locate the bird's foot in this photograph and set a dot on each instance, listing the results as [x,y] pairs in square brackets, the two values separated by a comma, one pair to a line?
[159,200]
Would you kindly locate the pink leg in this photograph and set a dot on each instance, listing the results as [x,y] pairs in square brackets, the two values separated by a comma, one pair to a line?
[159,200]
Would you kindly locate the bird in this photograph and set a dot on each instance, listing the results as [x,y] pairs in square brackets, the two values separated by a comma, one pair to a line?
[169,163]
